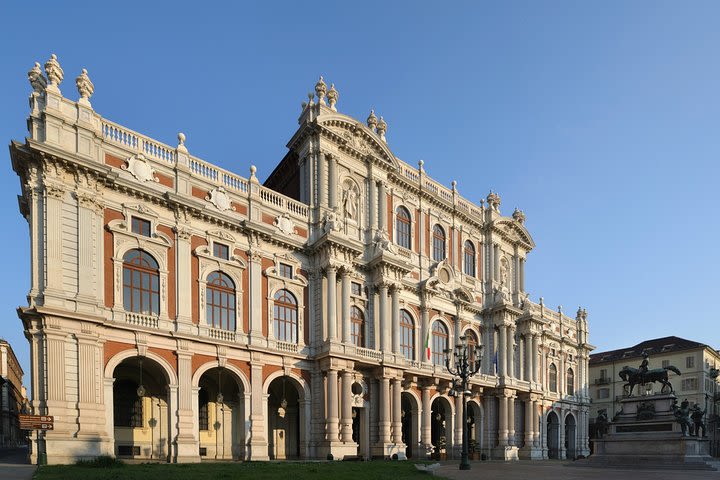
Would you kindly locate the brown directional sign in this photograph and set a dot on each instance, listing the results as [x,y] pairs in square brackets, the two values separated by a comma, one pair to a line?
[36,422]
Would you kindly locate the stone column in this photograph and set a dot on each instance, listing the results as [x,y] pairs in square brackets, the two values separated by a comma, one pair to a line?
[503,421]
[53,242]
[510,372]
[395,314]
[183,280]
[372,203]
[331,426]
[346,421]
[346,331]
[529,426]
[384,423]
[258,443]
[384,337]
[562,452]
[332,181]
[522,274]
[187,444]
[502,350]
[255,299]
[496,262]
[536,423]
[535,359]
[382,214]
[397,411]
[424,326]
[458,422]
[426,428]
[511,419]
[322,180]
[331,303]
[528,373]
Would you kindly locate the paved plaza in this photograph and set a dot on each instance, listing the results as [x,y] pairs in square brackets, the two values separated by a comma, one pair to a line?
[561,470]
[14,466]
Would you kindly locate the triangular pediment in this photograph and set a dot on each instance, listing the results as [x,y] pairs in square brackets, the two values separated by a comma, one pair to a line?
[515,232]
[356,138]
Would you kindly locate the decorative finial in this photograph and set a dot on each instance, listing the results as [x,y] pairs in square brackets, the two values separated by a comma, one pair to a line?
[421,164]
[560,309]
[321,90]
[454,185]
[332,97]
[578,316]
[493,201]
[372,120]
[519,216]
[253,169]
[84,86]
[37,79]
[382,128]
[311,101]
[54,72]
[542,301]
[181,143]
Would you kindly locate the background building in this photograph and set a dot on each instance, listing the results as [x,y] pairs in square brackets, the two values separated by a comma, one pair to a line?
[179,311]
[12,397]
[698,382]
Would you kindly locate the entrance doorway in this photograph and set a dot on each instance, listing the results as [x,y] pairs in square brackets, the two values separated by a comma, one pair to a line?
[441,426]
[570,441]
[553,431]
[283,419]
[409,415]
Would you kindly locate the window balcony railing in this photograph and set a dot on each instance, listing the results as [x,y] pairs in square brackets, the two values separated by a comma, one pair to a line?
[226,335]
[287,347]
[368,353]
[602,381]
[141,320]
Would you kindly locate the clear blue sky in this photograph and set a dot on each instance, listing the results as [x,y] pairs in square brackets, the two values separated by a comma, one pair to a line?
[599,119]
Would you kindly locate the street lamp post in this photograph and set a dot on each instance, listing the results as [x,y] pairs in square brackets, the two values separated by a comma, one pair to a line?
[463,369]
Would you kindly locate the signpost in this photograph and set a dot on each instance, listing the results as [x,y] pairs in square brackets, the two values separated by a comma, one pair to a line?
[36,422]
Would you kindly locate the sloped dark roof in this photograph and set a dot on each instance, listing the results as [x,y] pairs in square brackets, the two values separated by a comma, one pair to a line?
[654,346]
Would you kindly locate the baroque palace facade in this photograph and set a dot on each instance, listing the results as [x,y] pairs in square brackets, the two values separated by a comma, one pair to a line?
[178,311]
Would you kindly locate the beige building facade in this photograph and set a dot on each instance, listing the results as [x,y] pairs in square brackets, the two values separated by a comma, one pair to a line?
[12,397]
[178,311]
[698,363]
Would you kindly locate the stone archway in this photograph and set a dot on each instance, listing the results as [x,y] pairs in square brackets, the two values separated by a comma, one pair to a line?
[220,409]
[570,437]
[285,416]
[476,425]
[410,415]
[441,426]
[553,435]
[142,426]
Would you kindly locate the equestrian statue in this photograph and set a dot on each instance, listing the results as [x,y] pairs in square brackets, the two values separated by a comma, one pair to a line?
[642,375]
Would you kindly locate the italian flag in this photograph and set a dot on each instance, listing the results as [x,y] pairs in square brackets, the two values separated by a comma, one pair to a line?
[427,345]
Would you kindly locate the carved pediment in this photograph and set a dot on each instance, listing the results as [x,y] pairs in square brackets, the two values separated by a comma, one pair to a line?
[354,137]
[514,232]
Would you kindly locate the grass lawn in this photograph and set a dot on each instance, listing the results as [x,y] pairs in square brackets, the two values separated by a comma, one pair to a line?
[250,470]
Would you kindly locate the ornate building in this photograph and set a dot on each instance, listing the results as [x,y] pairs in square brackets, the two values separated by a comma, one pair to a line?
[179,311]
[12,397]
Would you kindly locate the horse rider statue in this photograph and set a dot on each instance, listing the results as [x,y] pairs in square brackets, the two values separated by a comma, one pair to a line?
[643,375]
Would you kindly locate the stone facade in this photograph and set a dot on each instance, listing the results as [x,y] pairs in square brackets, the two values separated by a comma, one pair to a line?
[12,397]
[179,311]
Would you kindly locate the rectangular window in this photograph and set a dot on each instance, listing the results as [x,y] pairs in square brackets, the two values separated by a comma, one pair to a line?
[221,251]
[140,226]
[356,289]
[689,384]
[603,393]
[665,363]
[603,373]
[689,362]
[286,270]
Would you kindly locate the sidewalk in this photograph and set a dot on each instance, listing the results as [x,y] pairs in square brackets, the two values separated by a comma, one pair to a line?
[14,466]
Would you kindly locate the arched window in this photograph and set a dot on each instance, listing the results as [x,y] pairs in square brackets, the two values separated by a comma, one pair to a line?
[285,317]
[570,382]
[440,343]
[552,377]
[407,335]
[357,324]
[472,342]
[203,417]
[220,301]
[141,283]
[469,260]
[438,243]
[127,405]
[402,225]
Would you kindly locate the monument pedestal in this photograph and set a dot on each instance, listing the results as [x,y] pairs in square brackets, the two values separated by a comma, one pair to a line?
[645,434]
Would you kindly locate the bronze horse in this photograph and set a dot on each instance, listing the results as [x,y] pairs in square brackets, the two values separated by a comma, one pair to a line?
[635,377]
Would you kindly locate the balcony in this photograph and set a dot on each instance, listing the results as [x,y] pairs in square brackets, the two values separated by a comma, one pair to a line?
[602,381]
[226,335]
[140,320]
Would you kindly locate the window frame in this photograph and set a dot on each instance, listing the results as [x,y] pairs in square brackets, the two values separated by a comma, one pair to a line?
[407,334]
[570,381]
[357,327]
[141,223]
[469,259]
[286,308]
[552,378]
[228,301]
[437,342]
[219,245]
[403,227]
[439,243]
[151,273]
